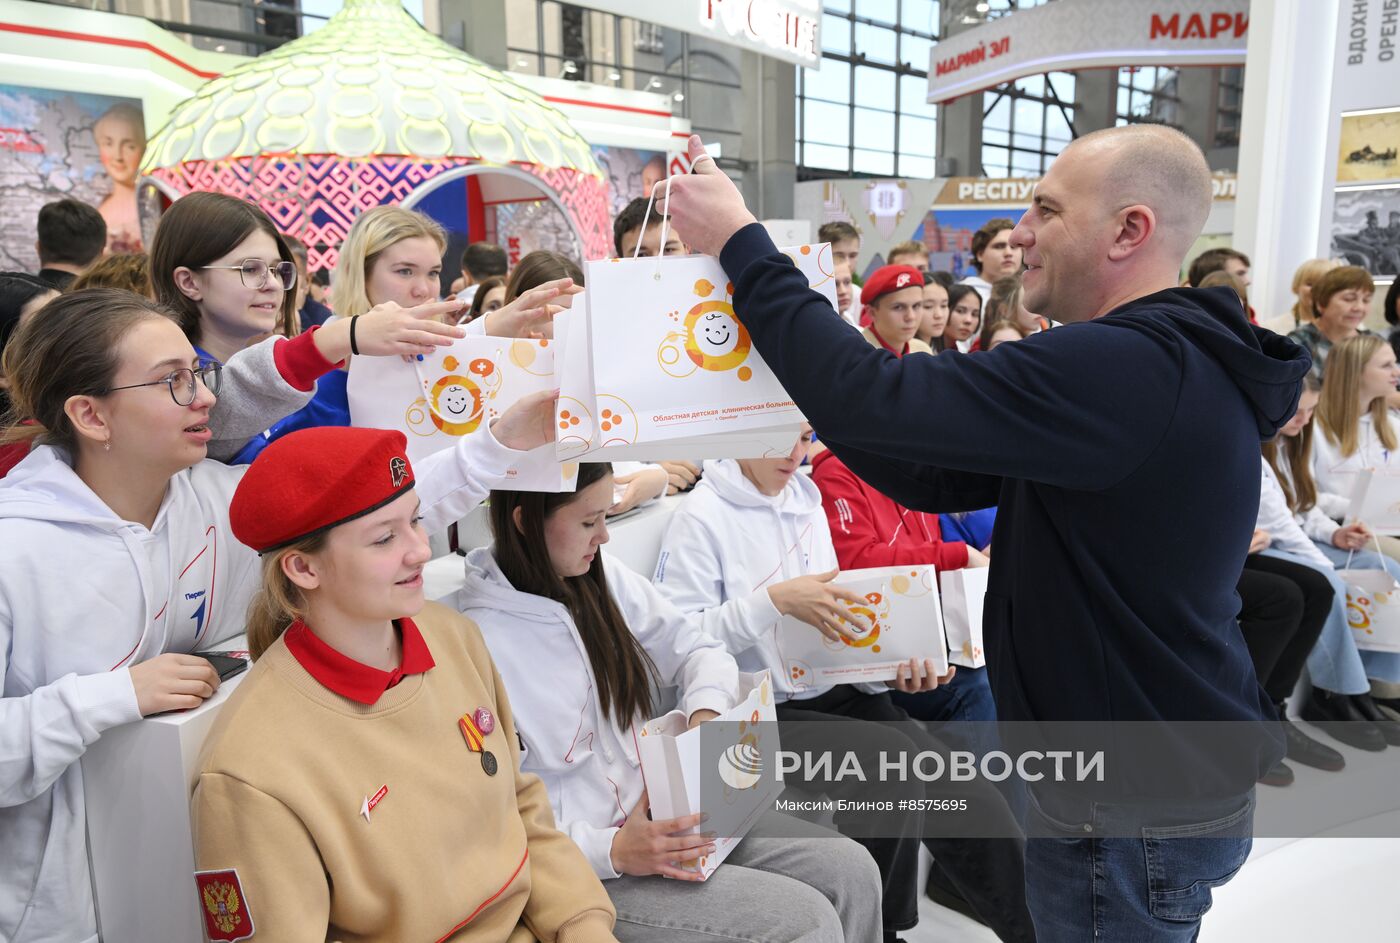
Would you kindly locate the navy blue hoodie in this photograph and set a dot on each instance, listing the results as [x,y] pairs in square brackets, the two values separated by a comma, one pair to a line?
[1109,447]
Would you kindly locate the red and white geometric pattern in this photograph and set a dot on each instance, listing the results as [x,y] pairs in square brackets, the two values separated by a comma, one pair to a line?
[316,197]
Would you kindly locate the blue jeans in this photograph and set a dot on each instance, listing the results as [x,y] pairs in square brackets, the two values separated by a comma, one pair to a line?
[967,703]
[1149,889]
[1334,664]
[1382,665]
[968,697]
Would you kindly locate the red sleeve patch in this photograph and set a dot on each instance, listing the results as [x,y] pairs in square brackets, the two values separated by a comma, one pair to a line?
[227,915]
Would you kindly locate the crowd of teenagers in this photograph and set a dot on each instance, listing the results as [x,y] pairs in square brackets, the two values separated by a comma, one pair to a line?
[179,471]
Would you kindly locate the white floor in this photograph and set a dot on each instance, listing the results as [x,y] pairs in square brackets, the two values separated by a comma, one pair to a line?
[1290,891]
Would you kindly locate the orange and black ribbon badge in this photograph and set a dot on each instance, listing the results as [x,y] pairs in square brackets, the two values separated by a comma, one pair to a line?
[227,916]
[476,740]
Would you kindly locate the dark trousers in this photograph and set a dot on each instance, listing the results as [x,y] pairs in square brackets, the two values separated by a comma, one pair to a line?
[1284,607]
[989,873]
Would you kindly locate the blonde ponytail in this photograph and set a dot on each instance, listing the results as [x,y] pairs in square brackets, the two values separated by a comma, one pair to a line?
[279,602]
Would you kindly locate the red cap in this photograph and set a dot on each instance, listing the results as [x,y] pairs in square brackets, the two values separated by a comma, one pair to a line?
[314,479]
[890,278]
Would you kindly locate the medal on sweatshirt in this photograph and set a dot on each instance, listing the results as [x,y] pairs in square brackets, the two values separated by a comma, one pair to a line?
[475,734]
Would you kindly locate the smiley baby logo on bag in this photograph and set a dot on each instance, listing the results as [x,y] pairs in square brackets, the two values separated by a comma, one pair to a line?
[867,635]
[1359,611]
[456,402]
[711,337]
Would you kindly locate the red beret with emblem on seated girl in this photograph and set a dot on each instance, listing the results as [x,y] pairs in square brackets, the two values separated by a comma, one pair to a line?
[363,782]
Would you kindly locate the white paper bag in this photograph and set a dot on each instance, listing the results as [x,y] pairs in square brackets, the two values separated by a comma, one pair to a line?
[456,391]
[901,603]
[137,782]
[671,767]
[1375,499]
[1373,609]
[963,595]
[668,370]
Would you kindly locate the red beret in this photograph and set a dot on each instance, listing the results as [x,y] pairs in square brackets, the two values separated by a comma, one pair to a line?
[313,479]
[888,278]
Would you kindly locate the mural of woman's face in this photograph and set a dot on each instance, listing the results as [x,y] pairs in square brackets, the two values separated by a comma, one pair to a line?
[121,142]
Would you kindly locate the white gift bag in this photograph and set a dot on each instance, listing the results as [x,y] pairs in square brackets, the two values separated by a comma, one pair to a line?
[1373,609]
[963,595]
[901,605]
[657,365]
[671,761]
[456,391]
[1375,499]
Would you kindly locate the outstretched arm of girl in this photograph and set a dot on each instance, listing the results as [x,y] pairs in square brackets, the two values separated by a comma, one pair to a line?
[390,329]
[531,314]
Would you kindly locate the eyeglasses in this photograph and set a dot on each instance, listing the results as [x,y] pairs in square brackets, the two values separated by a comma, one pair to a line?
[181,382]
[254,273]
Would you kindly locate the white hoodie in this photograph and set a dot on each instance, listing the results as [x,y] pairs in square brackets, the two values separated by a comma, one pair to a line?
[588,764]
[1285,532]
[1314,522]
[726,544]
[1334,473]
[84,596]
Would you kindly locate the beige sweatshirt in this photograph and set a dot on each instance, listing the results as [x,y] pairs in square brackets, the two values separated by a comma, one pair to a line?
[446,853]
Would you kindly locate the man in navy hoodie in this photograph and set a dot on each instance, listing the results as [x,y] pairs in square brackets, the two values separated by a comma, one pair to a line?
[1110,446]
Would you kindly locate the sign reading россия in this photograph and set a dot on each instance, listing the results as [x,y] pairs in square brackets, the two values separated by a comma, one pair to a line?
[784,29]
[1086,34]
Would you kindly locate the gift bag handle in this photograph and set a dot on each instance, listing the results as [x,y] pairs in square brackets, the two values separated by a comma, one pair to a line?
[1352,553]
[665,227]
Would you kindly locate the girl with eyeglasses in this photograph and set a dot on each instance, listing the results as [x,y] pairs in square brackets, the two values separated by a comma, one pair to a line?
[221,265]
[116,561]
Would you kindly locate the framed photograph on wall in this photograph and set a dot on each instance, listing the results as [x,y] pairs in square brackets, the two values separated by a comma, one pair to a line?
[1369,149]
[1366,229]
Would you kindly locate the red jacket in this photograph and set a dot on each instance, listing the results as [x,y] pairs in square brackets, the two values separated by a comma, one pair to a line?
[871,530]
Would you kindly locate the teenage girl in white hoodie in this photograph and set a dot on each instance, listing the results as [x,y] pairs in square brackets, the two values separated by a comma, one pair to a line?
[584,644]
[750,545]
[116,559]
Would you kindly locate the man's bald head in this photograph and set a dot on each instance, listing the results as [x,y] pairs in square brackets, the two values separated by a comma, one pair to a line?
[1158,167]
[1111,221]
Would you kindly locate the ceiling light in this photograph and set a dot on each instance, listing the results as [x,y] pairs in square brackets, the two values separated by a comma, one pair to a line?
[614,76]
[570,67]
[984,8]
[521,62]
[678,97]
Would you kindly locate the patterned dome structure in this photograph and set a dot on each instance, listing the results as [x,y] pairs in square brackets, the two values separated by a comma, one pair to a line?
[366,111]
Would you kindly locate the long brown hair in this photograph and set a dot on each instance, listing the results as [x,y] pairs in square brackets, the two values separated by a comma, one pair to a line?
[279,602]
[625,673]
[199,229]
[539,267]
[1299,487]
[69,348]
[1339,411]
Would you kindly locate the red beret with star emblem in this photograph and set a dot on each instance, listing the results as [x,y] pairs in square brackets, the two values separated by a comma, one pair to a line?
[888,278]
[314,479]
